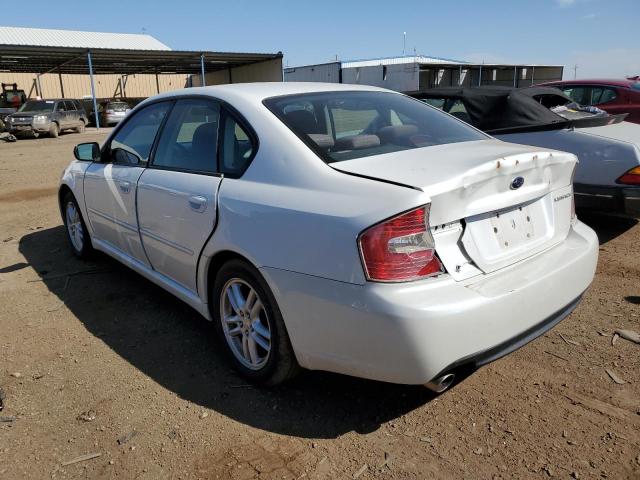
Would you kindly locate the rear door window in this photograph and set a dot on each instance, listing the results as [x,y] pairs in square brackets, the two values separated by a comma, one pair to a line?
[581,95]
[236,149]
[601,95]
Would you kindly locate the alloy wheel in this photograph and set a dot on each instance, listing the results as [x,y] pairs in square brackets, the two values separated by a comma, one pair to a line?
[74,226]
[245,323]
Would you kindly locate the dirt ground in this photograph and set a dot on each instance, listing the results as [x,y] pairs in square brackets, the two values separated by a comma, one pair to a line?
[96,360]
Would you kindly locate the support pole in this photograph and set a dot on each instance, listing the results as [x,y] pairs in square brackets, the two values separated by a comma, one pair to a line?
[61,84]
[515,77]
[480,77]
[157,83]
[204,84]
[533,74]
[93,91]
[39,86]
[460,76]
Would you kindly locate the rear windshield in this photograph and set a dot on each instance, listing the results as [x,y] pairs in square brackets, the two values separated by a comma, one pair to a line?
[346,125]
[38,106]
[118,107]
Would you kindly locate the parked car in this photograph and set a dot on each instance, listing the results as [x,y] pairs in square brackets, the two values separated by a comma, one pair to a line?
[48,117]
[607,178]
[112,112]
[613,96]
[11,98]
[335,227]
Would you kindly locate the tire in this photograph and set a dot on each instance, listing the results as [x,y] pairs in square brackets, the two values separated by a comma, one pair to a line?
[80,128]
[244,339]
[54,130]
[77,233]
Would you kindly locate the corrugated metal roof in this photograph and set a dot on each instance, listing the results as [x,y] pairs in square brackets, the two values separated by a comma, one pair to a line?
[77,39]
[422,59]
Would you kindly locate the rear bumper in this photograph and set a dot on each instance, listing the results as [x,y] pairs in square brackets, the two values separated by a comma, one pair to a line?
[620,200]
[112,119]
[410,333]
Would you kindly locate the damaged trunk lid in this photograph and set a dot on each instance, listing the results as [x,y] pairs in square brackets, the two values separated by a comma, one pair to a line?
[492,203]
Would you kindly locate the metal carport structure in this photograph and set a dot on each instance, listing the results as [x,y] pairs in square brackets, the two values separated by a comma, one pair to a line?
[40,60]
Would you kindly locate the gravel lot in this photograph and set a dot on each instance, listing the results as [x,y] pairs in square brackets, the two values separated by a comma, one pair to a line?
[96,360]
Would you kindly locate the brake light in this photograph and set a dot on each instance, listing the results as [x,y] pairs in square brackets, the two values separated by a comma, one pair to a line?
[400,249]
[632,177]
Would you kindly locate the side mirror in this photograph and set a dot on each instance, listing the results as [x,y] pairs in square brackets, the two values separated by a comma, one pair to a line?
[87,152]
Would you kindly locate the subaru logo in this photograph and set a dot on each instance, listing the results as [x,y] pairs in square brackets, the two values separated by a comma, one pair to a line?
[517,183]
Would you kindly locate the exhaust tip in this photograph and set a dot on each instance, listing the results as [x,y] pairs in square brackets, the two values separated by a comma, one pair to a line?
[442,383]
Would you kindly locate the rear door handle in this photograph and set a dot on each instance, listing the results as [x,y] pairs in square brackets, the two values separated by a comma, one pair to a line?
[198,203]
[125,187]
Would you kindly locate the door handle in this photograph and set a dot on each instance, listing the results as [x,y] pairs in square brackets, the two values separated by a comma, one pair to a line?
[125,187]
[198,203]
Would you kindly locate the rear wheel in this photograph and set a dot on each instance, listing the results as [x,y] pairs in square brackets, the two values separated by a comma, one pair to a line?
[54,130]
[250,325]
[77,233]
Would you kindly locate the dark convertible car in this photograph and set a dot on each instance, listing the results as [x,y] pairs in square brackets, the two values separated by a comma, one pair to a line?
[607,178]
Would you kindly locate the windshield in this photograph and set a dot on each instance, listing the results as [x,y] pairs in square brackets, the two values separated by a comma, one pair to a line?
[37,106]
[346,125]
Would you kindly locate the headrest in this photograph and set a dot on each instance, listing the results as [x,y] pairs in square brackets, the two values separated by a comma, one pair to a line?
[205,134]
[356,142]
[322,140]
[303,120]
[397,134]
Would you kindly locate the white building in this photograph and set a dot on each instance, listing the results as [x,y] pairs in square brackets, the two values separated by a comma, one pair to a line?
[415,73]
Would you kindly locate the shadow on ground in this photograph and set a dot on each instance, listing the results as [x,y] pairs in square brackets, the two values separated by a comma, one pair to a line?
[177,348]
[607,227]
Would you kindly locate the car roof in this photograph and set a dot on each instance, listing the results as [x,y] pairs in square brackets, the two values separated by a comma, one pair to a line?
[596,81]
[258,91]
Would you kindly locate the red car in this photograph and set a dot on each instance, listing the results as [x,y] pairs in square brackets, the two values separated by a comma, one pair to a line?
[613,96]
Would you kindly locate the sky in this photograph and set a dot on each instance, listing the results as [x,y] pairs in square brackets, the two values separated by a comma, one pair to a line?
[600,37]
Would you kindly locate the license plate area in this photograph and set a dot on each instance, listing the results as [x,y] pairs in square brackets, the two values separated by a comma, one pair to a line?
[496,239]
[514,228]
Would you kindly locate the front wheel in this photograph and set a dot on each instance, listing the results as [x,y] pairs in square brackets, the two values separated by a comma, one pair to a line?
[80,128]
[54,131]
[77,233]
[250,325]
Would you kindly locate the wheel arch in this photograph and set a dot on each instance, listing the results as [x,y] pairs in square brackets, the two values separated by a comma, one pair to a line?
[213,265]
[62,192]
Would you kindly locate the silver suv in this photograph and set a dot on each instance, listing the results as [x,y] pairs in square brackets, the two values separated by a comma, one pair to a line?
[47,117]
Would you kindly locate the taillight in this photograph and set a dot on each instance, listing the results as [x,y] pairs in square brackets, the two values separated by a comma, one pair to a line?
[632,177]
[400,249]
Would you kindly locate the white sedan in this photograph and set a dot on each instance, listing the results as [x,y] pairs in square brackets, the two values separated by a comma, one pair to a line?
[336,227]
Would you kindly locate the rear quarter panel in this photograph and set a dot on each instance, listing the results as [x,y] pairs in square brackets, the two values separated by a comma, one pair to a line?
[292,211]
